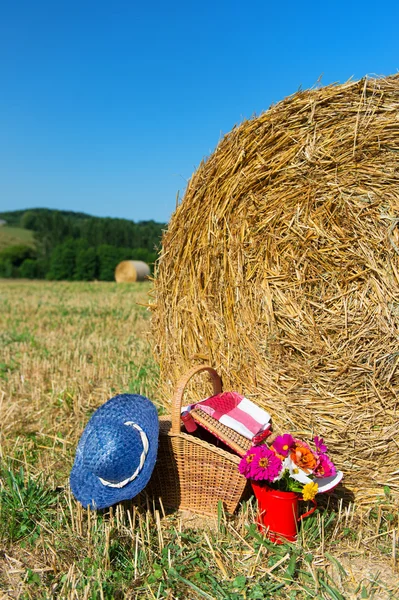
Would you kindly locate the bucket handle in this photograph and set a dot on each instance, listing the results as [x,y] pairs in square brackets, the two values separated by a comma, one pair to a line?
[181,385]
[310,512]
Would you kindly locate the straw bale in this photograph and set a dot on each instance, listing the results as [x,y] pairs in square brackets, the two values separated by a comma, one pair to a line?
[129,271]
[280,268]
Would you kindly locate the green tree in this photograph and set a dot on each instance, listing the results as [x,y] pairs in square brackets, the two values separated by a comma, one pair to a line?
[42,267]
[17,254]
[62,262]
[28,269]
[144,255]
[110,240]
[108,258]
[86,268]
[30,220]
[6,268]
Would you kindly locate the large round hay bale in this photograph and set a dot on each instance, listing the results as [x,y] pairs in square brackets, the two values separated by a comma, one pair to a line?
[281,268]
[129,271]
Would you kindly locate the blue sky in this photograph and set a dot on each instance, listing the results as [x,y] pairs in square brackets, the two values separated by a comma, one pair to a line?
[109,107]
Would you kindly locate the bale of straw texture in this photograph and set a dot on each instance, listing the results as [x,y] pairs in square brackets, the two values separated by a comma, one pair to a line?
[129,271]
[281,269]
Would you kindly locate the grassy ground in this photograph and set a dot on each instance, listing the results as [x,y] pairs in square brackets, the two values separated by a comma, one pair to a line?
[15,236]
[65,348]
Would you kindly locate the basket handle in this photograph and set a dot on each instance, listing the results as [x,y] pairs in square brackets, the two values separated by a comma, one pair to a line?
[181,385]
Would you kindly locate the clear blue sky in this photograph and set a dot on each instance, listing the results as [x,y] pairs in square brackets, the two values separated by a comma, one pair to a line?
[108,107]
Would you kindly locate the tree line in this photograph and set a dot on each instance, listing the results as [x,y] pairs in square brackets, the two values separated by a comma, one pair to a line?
[75,246]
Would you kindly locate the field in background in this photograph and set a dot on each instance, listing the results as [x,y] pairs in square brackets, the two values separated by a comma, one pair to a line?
[15,236]
[65,348]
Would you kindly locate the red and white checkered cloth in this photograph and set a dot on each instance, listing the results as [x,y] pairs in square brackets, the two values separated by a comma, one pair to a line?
[235,411]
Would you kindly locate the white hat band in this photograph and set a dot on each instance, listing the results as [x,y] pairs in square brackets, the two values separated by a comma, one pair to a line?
[144,441]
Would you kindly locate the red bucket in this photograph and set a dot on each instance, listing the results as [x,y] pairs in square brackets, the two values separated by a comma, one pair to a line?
[278,513]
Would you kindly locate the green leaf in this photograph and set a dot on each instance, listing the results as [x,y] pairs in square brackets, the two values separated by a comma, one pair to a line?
[220,516]
[290,572]
[334,593]
[336,563]
[173,573]
[240,582]
[32,577]
[158,572]
[194,587]
[308,557]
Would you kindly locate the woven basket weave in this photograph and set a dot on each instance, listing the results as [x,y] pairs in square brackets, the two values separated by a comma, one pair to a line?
[191,474]
[236,441]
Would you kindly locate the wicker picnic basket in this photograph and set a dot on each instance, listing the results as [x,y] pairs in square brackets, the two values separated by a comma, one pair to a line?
[190,473]
[234,440]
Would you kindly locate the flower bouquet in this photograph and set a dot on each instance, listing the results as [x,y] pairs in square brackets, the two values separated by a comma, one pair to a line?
[284,472]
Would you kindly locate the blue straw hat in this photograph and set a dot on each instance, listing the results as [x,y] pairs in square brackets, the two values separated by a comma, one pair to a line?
[116,454]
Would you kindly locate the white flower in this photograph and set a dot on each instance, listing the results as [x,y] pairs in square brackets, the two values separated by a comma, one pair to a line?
[295,472]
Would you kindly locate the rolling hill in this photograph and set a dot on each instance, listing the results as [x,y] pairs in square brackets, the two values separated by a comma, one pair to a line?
[15,236]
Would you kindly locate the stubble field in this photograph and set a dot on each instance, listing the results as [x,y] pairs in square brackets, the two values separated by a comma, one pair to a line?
[65,348]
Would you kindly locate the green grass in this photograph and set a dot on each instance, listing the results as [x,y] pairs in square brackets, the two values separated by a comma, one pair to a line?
[24,502]
[15,236]
[65,348]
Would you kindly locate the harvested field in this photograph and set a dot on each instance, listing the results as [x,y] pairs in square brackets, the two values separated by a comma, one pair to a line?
[64,349]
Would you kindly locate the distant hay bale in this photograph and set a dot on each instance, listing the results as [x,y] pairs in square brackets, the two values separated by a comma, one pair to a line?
[281,268]
[129,271]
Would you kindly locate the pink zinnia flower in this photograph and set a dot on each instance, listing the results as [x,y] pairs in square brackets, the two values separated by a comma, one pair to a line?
[325,468]
[266,465]
[245,464]
[283,444]
[319,443]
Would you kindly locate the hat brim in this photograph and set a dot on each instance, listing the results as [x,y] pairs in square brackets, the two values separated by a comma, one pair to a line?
[326,484]
[87,487]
